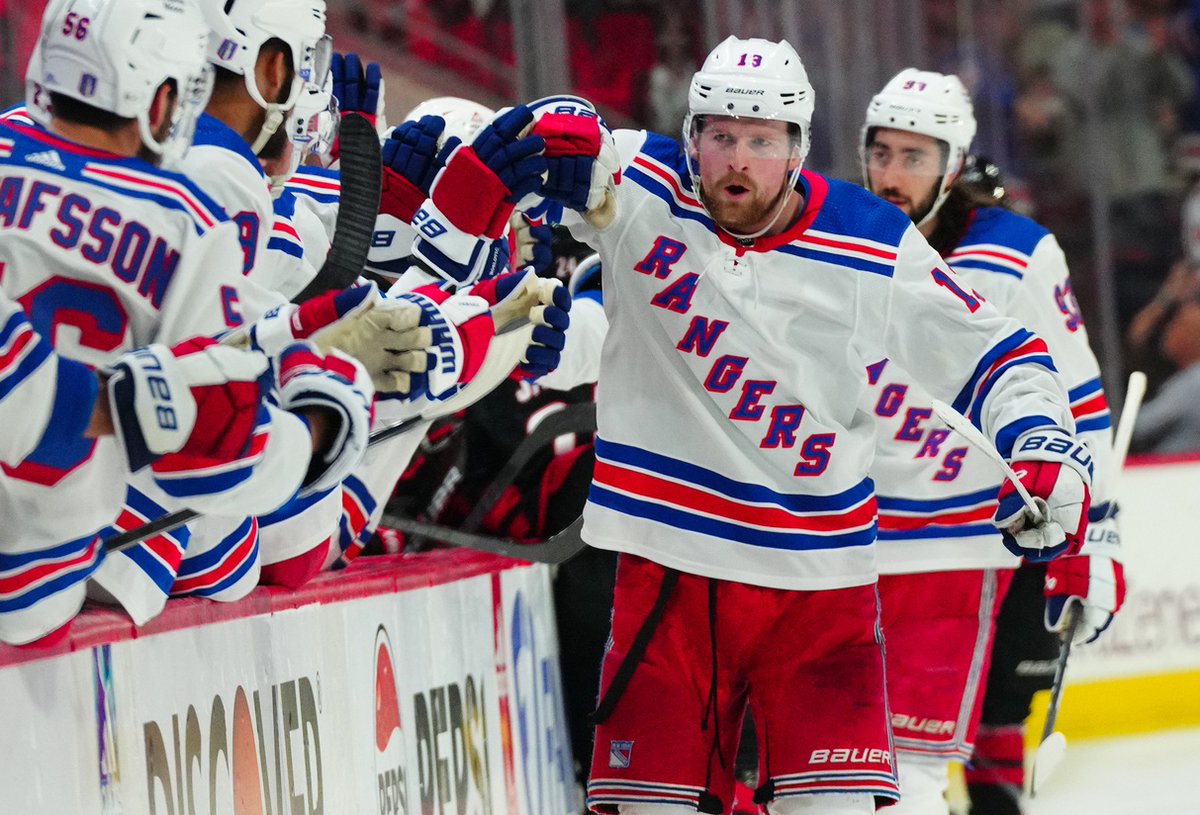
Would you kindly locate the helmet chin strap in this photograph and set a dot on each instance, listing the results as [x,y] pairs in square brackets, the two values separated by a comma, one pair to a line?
[789,185]
[275,117]
[944,192]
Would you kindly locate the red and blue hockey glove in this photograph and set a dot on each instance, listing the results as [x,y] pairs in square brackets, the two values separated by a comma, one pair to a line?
[523,297]
[581,158]
[358,89]
[307,379]
[1055,467]
[198,398]
[1094,579]
[473,196]
[533,242]
[411,160]
[384,334]
[460,329]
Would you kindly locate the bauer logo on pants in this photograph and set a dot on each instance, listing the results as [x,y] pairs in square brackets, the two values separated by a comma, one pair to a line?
[619,753]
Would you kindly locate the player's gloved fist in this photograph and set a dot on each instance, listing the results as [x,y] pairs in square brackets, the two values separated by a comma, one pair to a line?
[410,163]
[1056,469]
[533,242]
[581,157]
[383,334]
[306,379]
[459,331]
[549,337]
[198,398]
[514,297]
[474,194]
[358,89]
[1095,582]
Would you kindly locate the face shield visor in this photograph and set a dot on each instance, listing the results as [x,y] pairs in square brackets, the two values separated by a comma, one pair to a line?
[771,151]
[191,100]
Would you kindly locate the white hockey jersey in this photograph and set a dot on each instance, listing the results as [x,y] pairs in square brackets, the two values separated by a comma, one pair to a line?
[731,440]
[936,493]
[105,254]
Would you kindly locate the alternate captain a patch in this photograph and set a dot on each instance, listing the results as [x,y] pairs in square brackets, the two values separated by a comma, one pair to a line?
[619,753]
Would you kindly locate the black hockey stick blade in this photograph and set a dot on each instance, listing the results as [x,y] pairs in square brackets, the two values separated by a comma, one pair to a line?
[554,550]
[176,519]
[361,174]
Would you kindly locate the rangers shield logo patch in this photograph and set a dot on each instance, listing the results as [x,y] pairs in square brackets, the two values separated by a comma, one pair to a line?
[619,753]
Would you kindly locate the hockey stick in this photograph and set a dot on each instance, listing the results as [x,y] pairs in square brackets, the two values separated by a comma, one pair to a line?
[176,519]
[1053,746]
[555,549]
[577,418]
[361,176]
[1034,507]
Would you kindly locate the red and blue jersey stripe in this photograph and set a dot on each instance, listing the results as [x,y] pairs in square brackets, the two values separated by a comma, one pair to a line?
[1089,407]
[222,566]
[27,578]
[659,488]
[957,516]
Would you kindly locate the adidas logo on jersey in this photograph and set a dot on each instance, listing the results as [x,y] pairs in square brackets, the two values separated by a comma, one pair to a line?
[48,158]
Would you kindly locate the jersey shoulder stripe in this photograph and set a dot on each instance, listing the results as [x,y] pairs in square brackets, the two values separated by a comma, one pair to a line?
[34,148]
[854,214]
[318,183]
[663,181]
[997,241]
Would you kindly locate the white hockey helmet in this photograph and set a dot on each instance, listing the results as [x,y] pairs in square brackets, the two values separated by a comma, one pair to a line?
[391,247]
[37,100]
[464,118]
[115,54]
[238,29]
[928,103]
[585,276]
[752,79]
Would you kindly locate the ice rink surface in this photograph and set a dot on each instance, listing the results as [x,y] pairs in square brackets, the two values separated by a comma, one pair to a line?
[1136,775]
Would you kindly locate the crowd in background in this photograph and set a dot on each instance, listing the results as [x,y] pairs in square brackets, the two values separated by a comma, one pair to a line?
[1036,70]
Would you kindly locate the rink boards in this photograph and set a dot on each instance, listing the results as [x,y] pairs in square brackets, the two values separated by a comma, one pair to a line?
[1143,674]
[426,684]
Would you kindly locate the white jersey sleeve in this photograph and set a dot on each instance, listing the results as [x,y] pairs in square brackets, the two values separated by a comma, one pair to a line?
[963,351]
[1047,305]
[46,401]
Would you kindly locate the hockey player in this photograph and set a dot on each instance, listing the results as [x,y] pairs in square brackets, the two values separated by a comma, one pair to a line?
[1023,651]
[106,251]
[51,405]
[746,298]
[945,567]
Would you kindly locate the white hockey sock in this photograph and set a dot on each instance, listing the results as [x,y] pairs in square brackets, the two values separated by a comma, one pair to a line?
[923,786]
[824,804]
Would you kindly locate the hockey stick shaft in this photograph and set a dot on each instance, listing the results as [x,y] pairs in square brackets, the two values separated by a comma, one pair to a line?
[176,519]
[360,177]
[956,421]
[555,549]
[1053,745]
[1134,394]
[1060,670]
